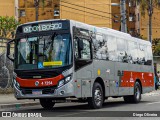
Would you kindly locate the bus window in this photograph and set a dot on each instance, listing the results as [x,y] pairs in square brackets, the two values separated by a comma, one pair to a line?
[132,52]
[112,48]
[100,47]
[122,50]
[85,53]
[148,55]
[141,54]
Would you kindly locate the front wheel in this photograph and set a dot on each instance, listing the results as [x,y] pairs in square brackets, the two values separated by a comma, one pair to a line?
[47,103]
[97,98]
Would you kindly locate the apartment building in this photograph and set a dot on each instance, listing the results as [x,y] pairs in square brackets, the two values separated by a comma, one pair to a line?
[94,12]
[7,8]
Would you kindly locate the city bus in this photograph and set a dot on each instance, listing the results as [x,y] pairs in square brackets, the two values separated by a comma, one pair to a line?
[65,59]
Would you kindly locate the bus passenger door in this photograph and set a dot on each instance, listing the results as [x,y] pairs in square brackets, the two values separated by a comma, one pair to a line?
[83,66]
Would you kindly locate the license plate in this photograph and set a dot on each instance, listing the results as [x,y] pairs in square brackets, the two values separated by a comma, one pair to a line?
[36,92]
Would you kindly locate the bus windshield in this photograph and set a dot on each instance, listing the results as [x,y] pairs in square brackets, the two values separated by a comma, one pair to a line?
[42,52]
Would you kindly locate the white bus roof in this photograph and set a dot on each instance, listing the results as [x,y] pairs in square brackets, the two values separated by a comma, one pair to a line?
[103,30]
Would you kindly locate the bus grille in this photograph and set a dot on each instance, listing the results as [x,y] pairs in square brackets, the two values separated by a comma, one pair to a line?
[44,90]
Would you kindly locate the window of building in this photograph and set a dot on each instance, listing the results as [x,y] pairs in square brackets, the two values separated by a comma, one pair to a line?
[56,12]
[22,13]
[138,16]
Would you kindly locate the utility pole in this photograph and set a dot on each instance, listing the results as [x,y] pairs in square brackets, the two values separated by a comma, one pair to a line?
[123,16]
[150,12]
[36,4]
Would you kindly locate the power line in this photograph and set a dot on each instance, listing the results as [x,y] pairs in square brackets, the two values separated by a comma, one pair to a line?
[86,12]
[85,7]
[87,15]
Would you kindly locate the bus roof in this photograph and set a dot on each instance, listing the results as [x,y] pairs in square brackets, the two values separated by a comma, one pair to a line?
[103,30]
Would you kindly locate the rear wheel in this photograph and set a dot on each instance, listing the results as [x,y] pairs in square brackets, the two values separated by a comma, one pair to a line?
[47,103]
[97,98]
[137,94]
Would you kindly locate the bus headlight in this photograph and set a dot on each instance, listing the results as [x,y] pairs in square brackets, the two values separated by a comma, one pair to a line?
[61,83]
[64,81]
[16,83]
[68,78]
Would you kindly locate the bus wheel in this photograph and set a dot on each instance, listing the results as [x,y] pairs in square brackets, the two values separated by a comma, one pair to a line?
[137,94]
[47,103]
[96,100]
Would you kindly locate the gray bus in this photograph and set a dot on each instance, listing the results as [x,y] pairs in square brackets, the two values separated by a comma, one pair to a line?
[64,59]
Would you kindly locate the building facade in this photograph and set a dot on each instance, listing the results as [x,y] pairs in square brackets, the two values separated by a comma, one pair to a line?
[94,12]
[7,8]
[130,16]
[142,23]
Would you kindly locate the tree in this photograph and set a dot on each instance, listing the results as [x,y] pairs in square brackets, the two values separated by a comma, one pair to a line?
[147,5]
[36,4]
[7,27]
[156,47]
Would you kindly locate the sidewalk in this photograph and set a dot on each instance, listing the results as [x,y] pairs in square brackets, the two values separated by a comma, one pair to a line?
[9,101]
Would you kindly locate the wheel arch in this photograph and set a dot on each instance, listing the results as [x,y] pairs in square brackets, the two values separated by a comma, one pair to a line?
[101,82]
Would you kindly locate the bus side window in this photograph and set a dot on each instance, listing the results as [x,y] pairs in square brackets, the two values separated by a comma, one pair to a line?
[112,48]
[122,50]
[132,52]
[83,53]
[141,54]
[148,55]
[86,52]
[76,49]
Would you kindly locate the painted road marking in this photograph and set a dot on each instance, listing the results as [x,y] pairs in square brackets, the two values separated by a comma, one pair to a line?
[71,114]
[153,103]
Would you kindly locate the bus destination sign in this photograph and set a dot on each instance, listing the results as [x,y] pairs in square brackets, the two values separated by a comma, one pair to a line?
[42,27]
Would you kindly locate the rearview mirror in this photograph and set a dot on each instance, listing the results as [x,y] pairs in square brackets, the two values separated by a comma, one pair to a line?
[8,50]
[80,45]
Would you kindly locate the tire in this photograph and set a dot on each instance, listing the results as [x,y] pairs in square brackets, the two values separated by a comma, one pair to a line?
[136,98]
[97,99]
[47,103]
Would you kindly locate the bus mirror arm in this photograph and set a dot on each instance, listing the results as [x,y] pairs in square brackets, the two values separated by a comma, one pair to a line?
[80,44]
[8,50]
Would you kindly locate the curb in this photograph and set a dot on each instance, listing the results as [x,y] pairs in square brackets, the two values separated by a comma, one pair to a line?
[18,105]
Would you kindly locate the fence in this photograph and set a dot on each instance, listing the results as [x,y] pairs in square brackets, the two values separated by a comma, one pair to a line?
[6,69]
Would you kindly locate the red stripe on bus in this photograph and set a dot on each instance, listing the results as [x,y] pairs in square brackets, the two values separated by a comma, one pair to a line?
[129,77]
[42,82]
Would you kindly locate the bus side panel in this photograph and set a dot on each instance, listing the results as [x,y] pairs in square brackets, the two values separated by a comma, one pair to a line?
[84,77]
[123,84]
[149,79]
[105,70]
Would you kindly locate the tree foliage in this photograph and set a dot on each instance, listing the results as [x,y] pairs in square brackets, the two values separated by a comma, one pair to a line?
[145,5]
[7,26]
[156,47]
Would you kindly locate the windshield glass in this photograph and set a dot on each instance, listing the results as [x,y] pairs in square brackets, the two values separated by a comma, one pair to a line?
[43,52]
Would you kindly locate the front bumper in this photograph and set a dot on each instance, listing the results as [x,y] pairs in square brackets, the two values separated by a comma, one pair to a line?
[67,89]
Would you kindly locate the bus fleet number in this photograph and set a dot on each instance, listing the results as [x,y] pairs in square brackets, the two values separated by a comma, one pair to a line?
[46,83]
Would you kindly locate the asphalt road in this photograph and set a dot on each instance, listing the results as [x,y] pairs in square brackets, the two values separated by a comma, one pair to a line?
[113,108]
